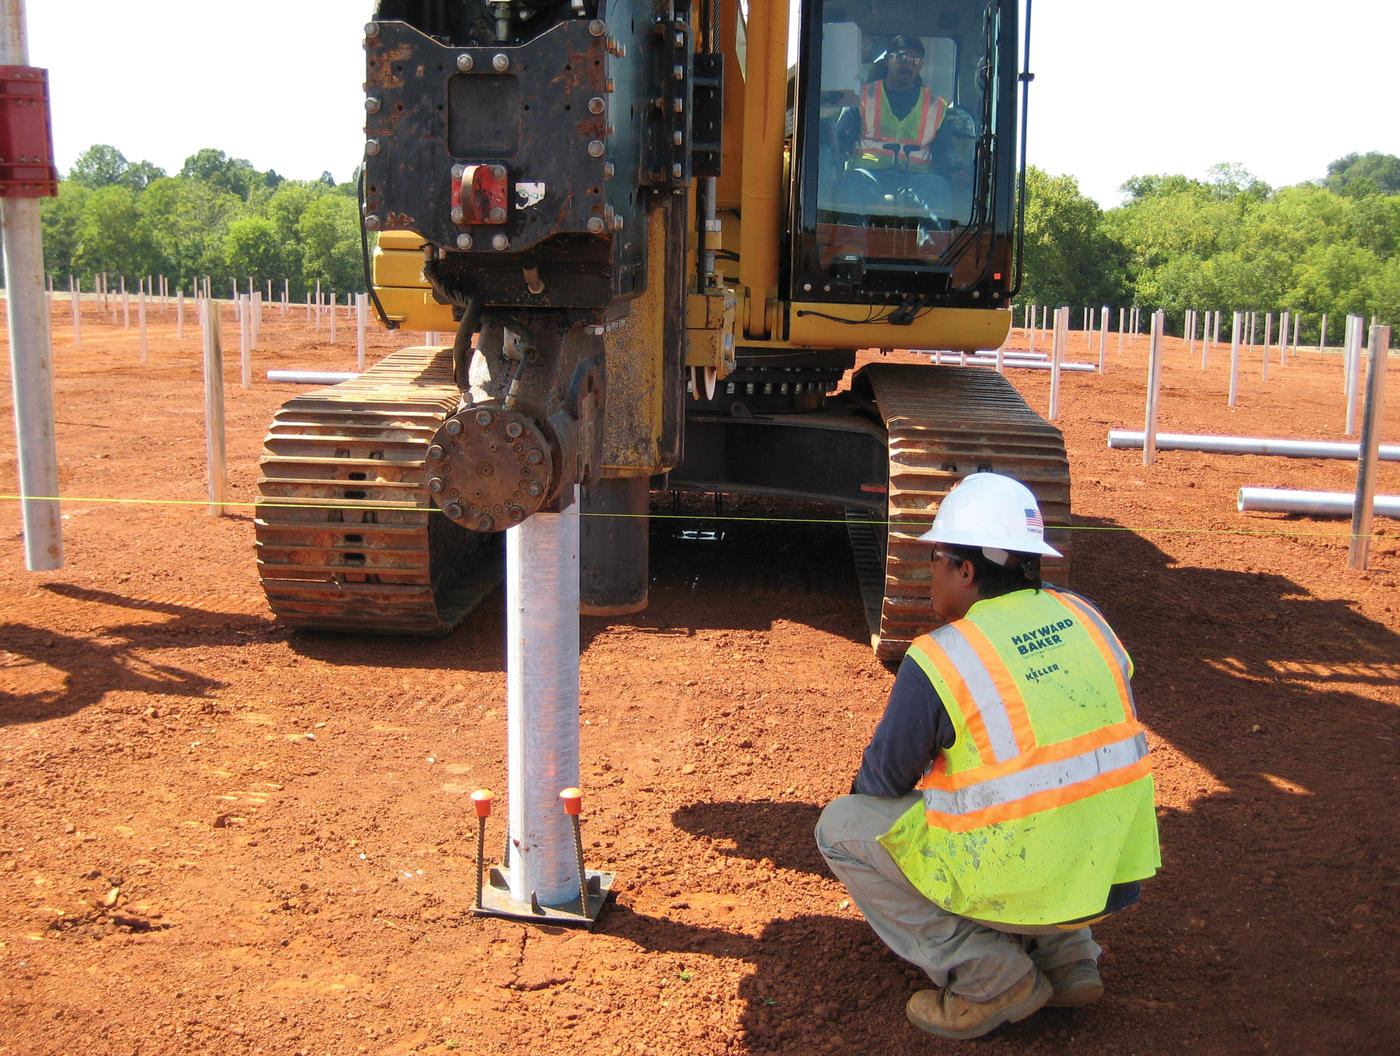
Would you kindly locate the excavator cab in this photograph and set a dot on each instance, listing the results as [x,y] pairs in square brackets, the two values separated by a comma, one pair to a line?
[904,139]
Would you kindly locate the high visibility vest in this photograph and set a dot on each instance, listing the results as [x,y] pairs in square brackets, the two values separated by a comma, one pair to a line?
[880,130]
[1045,799]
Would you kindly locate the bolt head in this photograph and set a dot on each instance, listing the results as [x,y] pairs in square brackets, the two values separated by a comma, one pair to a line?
[499,241]
[595,105]
[515,513]
[371,29]
[435,451]
[595,148]
[497,215]
[453,426]
[498,172]
[534,489]
[534,456]
[514,429]
[595,225]
[464,241]
[500,62]
[464,62]
[372,147]
[458,214]
[453,510]
[458,171]
[484,523]
[597,27]
[436,485]
[372,222]
[484,418]
[372,105]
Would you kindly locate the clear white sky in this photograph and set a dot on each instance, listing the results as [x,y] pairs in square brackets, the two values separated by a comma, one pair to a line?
[1123,87]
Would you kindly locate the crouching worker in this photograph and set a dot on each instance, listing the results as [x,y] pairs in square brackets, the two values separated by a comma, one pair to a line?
[1005,801]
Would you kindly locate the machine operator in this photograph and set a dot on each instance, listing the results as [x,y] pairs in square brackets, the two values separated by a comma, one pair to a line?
[905,145]
[1005,801]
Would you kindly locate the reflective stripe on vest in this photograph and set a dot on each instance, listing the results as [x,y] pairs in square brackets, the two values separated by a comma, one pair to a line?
[876,133]
[1038,787]
[1014,776]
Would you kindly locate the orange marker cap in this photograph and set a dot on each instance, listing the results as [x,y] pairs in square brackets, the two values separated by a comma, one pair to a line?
[481,801]
[573,800]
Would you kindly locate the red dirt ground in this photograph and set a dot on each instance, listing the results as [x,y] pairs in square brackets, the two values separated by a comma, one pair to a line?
[219,836]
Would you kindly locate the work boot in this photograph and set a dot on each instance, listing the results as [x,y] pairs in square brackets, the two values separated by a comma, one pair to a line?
[1075,984]
[951,1015]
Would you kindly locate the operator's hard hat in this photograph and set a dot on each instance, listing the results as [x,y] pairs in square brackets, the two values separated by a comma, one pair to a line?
[905,42]
[995,512]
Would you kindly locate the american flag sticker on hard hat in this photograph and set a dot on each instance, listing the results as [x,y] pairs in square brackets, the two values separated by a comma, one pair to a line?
[1033,522]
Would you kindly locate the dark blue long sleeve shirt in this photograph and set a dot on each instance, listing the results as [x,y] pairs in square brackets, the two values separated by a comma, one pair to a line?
[913,730]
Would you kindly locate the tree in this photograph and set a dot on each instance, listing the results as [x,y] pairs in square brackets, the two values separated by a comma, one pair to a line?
[188,219]
[141,175]
[1140,187]
[1359,175]
[214,167]
[60,217]
[113,236]
[1383,288]
[1171,230]
[252,248]
[1230,180]
[285,208]
[99,166]
[330,238]
[1067,258]
[1375,223]
[1333,278]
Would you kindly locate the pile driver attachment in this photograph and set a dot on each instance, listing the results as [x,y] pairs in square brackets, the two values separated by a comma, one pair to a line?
[660,231]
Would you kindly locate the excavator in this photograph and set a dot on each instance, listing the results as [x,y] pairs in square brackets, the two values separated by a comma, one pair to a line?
[659,232]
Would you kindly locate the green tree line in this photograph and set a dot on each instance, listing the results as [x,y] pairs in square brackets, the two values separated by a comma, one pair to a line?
[1229,243]
[218,217]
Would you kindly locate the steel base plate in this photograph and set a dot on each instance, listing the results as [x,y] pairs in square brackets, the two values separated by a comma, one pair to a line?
[496,901]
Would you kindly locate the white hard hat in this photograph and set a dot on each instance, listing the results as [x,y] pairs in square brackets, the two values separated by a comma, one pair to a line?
[995,512]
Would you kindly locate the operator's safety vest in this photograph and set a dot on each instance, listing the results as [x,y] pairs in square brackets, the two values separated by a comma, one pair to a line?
[1045,799]
[880,130]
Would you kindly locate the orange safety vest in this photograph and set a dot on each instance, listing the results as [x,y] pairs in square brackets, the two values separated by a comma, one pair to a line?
[880,128]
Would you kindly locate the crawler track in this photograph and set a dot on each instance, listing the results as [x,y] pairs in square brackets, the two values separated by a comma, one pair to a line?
[944,423]
[347,537]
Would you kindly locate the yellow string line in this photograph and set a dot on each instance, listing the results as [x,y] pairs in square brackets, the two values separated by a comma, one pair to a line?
[685,517]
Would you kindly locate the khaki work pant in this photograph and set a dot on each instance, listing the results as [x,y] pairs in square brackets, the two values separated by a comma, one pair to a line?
[976,959]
